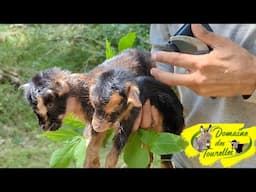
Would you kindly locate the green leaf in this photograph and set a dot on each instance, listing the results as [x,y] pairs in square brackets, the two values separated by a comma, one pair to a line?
[71,121]
[74,146]
[109,136]
[148,136]
[127,41]
[110,52]
[60,134]
[167,143]
[135,155]
[79,152]
[62,157]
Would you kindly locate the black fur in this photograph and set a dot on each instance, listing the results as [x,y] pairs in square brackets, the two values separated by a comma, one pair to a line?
[125,130]
[56,105]
[144,58]
[58,108]
[105,85]
[164,99]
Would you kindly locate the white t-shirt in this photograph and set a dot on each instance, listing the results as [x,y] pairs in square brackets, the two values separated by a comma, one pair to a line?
[199,109]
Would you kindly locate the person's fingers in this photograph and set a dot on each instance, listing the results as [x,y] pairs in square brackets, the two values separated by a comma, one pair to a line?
[178,59]
[137,122]
[155,117]
[173,79]
[210,38]
[146,117]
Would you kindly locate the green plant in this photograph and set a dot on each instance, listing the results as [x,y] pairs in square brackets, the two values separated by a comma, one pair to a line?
[143,142]
[136,153]
[74,144]
[125,42]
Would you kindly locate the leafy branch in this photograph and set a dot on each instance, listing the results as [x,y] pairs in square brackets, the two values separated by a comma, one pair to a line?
[74,143]
[143,142]
[125,42]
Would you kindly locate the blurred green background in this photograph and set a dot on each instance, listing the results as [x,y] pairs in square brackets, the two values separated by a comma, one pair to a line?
[26,49]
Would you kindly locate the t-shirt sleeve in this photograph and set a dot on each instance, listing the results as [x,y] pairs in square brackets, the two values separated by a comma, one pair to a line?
[251,98]
[249,43]
[159,36]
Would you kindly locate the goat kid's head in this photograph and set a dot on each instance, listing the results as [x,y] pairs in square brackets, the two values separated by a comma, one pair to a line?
[113,96]
[47,95]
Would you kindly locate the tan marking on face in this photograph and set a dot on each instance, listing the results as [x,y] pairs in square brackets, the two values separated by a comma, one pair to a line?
[100,125]
[75,107]
[41,108]
[126,114]
[133,93]
[114,101]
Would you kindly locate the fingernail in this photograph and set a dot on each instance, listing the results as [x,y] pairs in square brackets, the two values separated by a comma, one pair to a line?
[153,71]
[199,27]
[153,55]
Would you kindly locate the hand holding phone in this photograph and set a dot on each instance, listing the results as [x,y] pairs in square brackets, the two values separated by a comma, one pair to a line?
[184,41]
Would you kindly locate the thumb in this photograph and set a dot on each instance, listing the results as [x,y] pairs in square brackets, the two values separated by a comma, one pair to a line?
[210,38]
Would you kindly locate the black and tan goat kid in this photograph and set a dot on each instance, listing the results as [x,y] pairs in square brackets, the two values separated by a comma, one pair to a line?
[117,97]
[53,93]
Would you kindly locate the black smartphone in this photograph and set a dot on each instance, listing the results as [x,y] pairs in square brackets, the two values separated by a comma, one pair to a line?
[188,45]
[186,30]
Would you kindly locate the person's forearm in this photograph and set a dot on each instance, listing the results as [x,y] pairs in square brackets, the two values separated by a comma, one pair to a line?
[252,96]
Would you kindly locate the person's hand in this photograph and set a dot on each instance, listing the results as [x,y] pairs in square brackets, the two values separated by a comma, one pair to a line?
[227,70]
[148,117]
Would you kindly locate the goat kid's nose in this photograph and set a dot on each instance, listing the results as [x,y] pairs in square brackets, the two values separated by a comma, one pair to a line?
[96,126]
[42,126]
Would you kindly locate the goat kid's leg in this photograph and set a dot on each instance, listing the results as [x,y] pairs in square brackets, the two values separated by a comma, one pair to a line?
[120,140]
[112,158]
[151,159]
[166,161]
[92,159]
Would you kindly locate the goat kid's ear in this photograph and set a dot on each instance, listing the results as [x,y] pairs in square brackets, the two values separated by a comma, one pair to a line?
[24,87]
[133,95]
[61,87]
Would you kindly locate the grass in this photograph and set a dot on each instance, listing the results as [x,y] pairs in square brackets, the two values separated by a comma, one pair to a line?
[28,48]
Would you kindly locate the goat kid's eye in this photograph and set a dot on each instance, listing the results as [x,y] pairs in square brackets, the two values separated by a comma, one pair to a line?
[50,105]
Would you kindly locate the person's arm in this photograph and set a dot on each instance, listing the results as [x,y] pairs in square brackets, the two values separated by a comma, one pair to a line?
[228,70]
